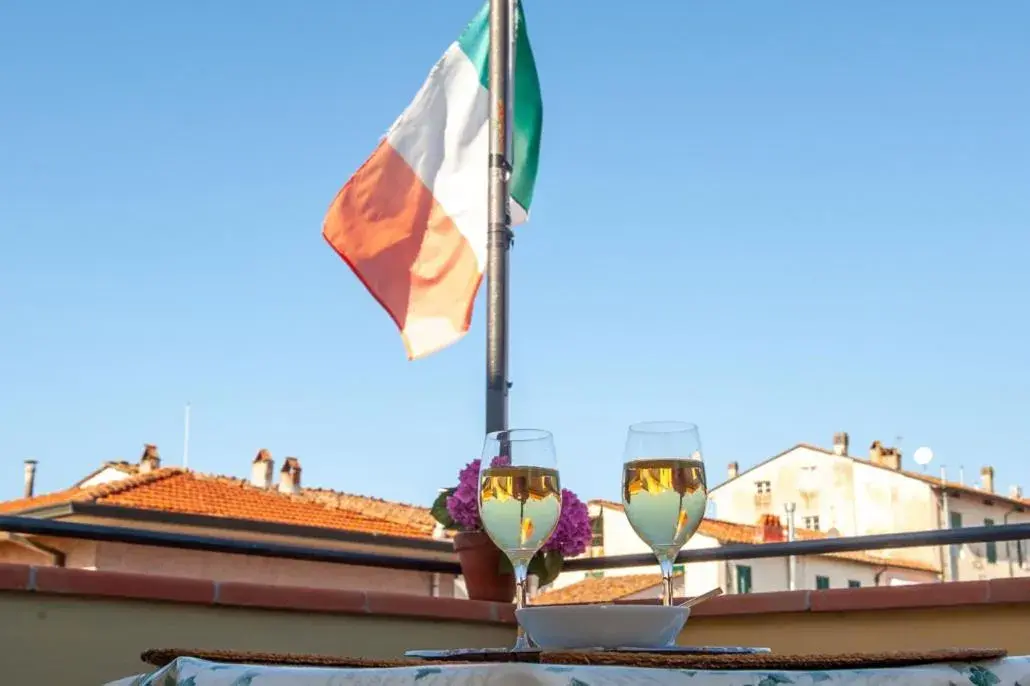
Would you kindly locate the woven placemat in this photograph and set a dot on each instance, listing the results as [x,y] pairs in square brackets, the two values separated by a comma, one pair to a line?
[763,661]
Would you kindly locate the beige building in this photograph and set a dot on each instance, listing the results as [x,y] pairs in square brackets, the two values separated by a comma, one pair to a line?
[613,535]
[841,494]
[145,495]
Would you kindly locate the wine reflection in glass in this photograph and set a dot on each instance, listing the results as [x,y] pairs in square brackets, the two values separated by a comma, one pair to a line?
[664,490]
[519,499]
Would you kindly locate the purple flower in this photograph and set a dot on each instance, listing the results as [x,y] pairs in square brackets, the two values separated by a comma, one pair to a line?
[463,504]
[572,534]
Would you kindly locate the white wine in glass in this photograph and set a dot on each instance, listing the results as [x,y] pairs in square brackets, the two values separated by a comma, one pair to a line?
[664,489]
[519,500]
[519,508]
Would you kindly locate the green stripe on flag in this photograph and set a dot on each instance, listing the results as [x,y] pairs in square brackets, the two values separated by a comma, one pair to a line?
[529,110]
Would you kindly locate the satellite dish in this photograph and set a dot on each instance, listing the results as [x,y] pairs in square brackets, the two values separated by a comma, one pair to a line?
[923,456]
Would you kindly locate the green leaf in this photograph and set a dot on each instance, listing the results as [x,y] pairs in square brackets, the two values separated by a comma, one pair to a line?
[546,566]
[981,676]
[440,512]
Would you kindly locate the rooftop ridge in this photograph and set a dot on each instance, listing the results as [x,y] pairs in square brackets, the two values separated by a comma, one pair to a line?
[330,500]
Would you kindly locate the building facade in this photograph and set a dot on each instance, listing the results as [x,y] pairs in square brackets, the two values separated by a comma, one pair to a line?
[613,535]
[840,494]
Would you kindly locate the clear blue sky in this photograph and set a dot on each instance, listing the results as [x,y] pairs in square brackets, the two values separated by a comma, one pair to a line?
[777,220]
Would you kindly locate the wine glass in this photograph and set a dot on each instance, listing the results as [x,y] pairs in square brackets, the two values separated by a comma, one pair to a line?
[519,499]
[664,491]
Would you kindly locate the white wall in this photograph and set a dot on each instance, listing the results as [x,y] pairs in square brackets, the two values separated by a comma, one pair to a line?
[832,500]
[972,557]
[105,476]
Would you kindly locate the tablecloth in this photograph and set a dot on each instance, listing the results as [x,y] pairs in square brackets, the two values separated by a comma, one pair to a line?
[1014,671]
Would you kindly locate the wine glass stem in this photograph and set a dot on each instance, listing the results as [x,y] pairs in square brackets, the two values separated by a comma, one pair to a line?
[522,640]
[667,591]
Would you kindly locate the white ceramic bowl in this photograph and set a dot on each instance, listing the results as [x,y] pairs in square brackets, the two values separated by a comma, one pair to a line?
[603,626]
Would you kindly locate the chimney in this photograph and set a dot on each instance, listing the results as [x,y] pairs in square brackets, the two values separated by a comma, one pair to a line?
[289,476]
[261,469]
[770,530]
[150,460]
[30,478]
[840,443]
[883,456]
[987,479]
[734,470]
[1016,492]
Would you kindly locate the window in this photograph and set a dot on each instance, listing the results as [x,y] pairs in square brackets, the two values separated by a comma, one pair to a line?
[854,584]
[822,583]
[955,520]
[1019,553]
[990,549]
[679,570]
[597,531]
[743,579]
[812,523]
[763,487]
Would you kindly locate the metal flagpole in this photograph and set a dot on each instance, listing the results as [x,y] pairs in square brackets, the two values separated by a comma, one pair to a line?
[499,235]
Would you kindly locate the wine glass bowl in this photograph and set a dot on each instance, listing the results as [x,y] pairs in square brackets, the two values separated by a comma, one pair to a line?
[519,499]
[664,489]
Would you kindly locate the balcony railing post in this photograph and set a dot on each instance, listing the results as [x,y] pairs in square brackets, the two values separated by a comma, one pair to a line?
[792,563]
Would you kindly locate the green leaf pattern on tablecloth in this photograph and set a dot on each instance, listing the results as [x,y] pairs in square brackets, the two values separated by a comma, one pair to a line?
[192,672]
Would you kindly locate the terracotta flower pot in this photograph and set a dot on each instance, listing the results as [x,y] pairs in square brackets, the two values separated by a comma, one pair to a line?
[480,563]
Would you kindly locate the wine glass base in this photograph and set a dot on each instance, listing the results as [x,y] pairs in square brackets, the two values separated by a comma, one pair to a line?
[523,643]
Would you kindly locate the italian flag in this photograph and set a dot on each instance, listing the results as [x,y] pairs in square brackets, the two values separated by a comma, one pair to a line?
[412,221]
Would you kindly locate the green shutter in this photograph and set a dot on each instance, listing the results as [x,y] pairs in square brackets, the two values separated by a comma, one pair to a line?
[822,583]
[743,579]
[991,549]
[955,520]
[854,584]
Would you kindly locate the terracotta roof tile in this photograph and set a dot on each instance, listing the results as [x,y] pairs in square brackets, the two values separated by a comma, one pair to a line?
[599,589]
[400,513]
[178,490]
[733,532]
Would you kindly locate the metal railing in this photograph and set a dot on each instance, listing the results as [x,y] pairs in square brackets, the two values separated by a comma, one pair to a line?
[162,539]
[741,551]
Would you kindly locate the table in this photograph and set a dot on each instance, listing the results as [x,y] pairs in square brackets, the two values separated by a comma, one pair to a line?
[1014,671]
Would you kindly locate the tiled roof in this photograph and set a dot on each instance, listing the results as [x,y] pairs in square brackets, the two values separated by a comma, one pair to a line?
[732,532]
[599,589]
[400,513]
[177,490]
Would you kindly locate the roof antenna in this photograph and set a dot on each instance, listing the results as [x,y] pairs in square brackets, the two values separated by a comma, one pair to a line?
[186,440]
